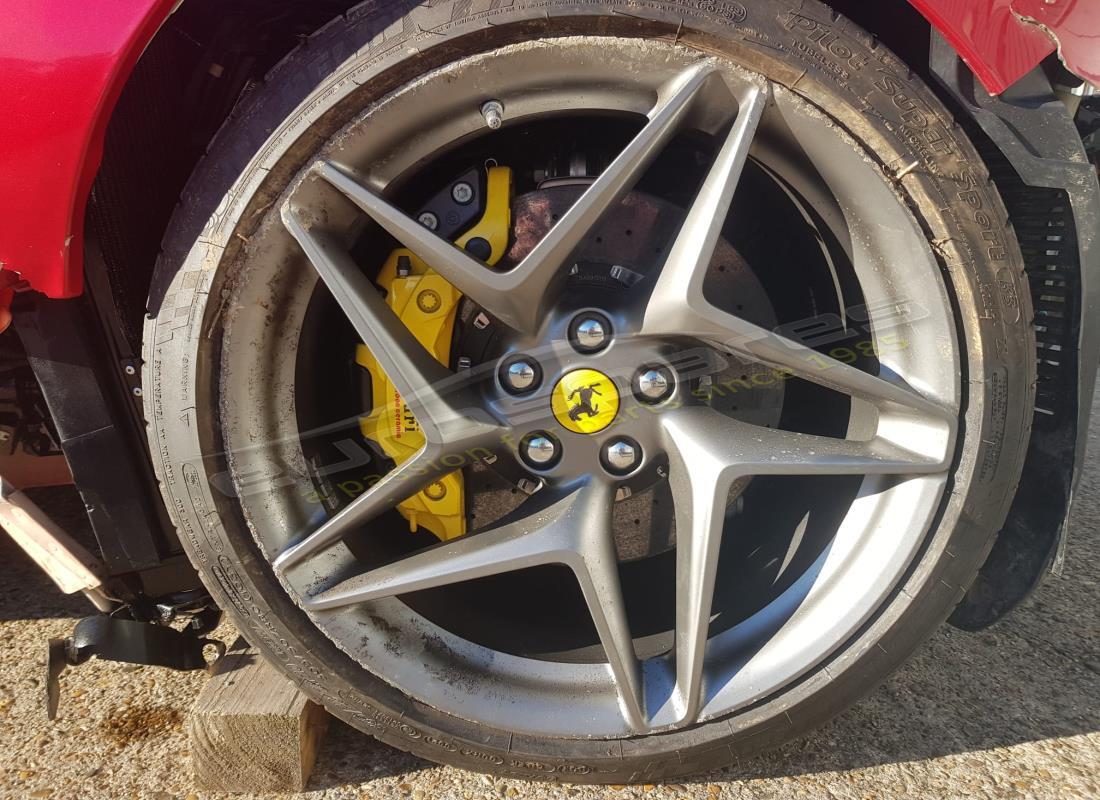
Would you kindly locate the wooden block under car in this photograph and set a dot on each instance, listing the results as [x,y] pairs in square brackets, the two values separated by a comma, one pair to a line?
[251,730]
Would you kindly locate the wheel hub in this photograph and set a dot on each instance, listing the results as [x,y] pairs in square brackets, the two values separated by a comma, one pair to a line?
[580,353]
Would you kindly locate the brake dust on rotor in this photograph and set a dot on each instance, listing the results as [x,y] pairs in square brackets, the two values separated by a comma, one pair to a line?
[428,306]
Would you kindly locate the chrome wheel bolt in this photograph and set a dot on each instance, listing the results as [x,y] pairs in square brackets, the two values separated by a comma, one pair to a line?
[590,332]
[539,450]
[622,456]
[520,375]
[653,384]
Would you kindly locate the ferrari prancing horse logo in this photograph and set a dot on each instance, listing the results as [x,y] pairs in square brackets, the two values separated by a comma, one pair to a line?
[584,405]
[585,401]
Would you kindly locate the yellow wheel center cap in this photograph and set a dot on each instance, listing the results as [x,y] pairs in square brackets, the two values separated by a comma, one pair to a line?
[585,401]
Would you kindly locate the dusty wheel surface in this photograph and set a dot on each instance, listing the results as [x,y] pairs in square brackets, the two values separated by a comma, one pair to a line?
[592,392]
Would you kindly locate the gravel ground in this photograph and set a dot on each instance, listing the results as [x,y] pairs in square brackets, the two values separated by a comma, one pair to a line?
[1011,712]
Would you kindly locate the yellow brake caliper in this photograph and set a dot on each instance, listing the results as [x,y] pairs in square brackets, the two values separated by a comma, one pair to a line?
[428,305]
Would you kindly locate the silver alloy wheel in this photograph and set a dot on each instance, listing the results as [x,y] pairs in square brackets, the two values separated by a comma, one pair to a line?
[901,436]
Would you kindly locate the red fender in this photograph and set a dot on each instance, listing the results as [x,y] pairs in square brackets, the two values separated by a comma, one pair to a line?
[65,63]
[63,67]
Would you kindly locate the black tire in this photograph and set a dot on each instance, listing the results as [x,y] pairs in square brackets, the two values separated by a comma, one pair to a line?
[830,62]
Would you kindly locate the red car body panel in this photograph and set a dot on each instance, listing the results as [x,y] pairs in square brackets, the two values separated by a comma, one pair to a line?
[62,68]
[65,64]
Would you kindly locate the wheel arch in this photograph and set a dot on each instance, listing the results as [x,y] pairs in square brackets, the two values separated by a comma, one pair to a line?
[203,61]
[205,57]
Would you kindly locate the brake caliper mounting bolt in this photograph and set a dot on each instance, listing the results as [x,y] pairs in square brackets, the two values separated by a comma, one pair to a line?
[520,375]
[493,111]
[590,332]
[429,220]
[539,450]
[622,456]
[653,384]
[463,193]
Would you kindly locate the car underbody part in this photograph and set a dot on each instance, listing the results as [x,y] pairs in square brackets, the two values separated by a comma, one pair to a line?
[428,306]
[10,283]
[135,638]
[26,426]
[1050,187]
[91,401]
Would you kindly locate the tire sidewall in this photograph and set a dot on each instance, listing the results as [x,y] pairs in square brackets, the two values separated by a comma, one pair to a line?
[356,58]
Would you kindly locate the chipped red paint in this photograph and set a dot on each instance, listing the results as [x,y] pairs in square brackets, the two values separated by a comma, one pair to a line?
[1003,40]
[64,66]
[989,37]
[1075,24]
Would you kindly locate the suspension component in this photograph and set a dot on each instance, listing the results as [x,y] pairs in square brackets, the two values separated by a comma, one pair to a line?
[428,306]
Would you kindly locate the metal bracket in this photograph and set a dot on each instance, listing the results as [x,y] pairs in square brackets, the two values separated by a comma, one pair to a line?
[133,642]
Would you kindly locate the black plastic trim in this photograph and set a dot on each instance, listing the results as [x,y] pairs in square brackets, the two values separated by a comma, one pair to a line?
[1036,135]
[90,397]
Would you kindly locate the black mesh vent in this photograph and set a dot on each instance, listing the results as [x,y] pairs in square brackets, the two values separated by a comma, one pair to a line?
[148,155]
[1044,225]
